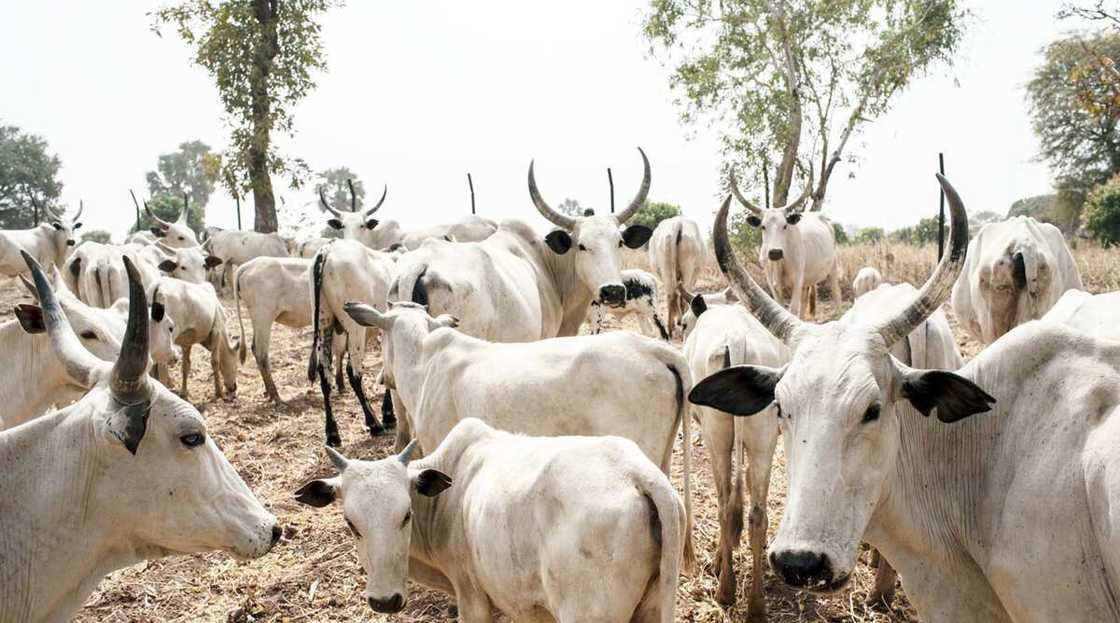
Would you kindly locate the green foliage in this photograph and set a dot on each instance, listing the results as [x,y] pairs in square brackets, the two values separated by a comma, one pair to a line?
[840,234]
[97,235]
[1036,206]
[653,212]
[167,207]
[869,235]
[924,232]
[1102,212]
[193,169]
[759,68]
[744,237]
[333,184]
[1062,209]
[26,171]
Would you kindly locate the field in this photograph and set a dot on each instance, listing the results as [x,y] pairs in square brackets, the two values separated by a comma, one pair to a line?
[313,574]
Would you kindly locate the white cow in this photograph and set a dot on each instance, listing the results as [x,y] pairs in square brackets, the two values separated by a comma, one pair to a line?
[187,263]
[699,303]
[49,243]
[641,300]
[127,473]
[1095,314]
[1017,269]
[798,251]
[307,248]
[867,279]
[95,271]
[174,234]
[676,254]
[344,271]
[199,318]
[998,509]
[235,248]
[723,335]
[590,530]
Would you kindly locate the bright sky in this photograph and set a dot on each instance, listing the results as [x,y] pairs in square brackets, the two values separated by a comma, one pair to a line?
[418,94]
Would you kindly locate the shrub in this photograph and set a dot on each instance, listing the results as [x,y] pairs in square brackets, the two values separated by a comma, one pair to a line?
[1102,212]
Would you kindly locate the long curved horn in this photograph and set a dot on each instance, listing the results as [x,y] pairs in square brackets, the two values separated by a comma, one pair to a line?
[380,201]
[739,196]
[640,198]
[129,383]
[327,206]
[772,315]
[353,195]
[936,289]
[805,194]
[152,215]
[564,222]
[79,363]
[406,455]
[81,206]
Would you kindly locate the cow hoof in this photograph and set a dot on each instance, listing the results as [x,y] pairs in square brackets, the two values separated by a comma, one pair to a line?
[377,431]
[389,423]
[334,441]
[756,611]
[452,612]
[725,594]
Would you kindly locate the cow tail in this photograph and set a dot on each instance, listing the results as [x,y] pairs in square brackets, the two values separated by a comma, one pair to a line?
[683,378]
[242,353]
[667,507]
[738,471]
[316,291]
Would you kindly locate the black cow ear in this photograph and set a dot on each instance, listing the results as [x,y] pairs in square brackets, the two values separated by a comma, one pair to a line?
[431,482]
[168,266]
[793,218]
[635,236]
[56,225]
[30,318]
[335,223]
[954,396]
[212,261]
[754,221]
[738,390]
[699,305]
[372,223]
[76,267]
[559,241]
[157,232]
[317,493]
[158,311]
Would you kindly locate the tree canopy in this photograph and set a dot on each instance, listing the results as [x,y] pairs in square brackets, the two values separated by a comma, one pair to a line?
[27,171]
[760,67]
[192,169]
[653,212]
[333,183]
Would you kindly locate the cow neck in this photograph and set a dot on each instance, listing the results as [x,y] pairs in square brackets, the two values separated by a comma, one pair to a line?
[575,297]
[53,464]
[409,363]
[41,374]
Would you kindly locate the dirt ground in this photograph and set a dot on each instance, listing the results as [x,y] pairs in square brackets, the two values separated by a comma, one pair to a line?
[313,574]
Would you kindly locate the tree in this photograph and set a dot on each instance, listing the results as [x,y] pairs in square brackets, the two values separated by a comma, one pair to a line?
[869,235]
[840,234]
[760,66]
[571,207]
[335,185]
[261,55]
[168,207]
[28,177]
[193,169]
[97,235]
[1102,212]
[653,212]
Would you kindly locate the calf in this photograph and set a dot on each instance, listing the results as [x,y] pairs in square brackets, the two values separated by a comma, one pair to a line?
[590,529]
[867,279]
[676,254]
[127,473]
[49,243]
[641,300]
[199,318]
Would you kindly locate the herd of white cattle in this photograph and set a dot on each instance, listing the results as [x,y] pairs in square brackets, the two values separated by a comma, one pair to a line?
[532,465]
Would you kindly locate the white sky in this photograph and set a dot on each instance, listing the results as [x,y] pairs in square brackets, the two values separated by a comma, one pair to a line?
[417,94]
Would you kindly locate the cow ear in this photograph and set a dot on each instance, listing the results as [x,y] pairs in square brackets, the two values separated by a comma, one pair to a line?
[698,305]
[444,320]
[372,223]
[318,493]
[335,223]
[793,218]
[635,236]
[157,232]
[754,221]
[559,241]
[168,266]
[954,396]
[431,482]
[157,312]
[57,225]
[738,390]
[30,318]
[212,261]
[129,423]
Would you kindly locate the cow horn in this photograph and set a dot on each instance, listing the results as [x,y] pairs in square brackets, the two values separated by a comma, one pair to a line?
[406,455]
[327,206]
[129,383]
[564,222]
[772,315]
[739,196]
[639,199]
[152,215]
[81,206]
[384,191]
[936,289]
[340,462]
[78,362]
[353,195]
[805,194]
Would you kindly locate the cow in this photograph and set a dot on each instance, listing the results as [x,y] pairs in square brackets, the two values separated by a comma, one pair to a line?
[1095,314]
[723,335]
[95,271]
[867,279]
[174,234]
[125,474]
[235,248]
[274,289]
[998,509]
[49,243]
[1017,269]
[641,301]
[590,529]
[199,318]
[676,255]
[190,264]
[307,248]
[798,251]
[699,303]
[344,271]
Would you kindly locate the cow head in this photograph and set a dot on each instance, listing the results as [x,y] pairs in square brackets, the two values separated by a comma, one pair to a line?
[99,331]
[161,333]
[160,480]
[1010,283]
[64,228]
[594,242]
[377,504]
[177,234]
[836,402]
[405,325]
[188,263]
[778,225]
[354,225]
[699,303]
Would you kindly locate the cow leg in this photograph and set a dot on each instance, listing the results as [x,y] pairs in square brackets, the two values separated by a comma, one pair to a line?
[186,371]
[598,316]
[719,434]
[811,300]
[474,606]
[388,417]
[216,367]
[340,348]
[372,425]
[262,337]
[759,443]
[404,424]
[325,359]
[882,593]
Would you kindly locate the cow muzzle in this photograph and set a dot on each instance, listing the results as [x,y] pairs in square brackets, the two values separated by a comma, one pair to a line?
[775,255]
[386,606]
[613,295]
[806,569]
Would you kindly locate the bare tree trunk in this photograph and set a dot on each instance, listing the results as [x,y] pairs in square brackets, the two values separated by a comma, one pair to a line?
[259,178]
[783,178]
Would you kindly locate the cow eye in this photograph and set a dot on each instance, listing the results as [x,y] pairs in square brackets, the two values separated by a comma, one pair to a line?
[353,530]
[89,335]
[193,439]
[871,414]
[407,517]
[181,238]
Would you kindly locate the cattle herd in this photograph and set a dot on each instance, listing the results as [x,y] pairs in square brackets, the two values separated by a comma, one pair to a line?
[531,469]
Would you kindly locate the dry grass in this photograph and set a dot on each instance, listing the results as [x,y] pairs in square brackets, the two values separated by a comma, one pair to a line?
[314,575]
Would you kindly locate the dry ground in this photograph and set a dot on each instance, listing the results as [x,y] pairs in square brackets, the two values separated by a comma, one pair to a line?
[313,573]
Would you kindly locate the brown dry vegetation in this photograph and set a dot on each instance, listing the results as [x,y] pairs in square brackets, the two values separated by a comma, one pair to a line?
[314,575]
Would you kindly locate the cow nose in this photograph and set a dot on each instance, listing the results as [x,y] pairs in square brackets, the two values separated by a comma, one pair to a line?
[387,606]
[276,532]
[612,294]
[775,255]
[802,569]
